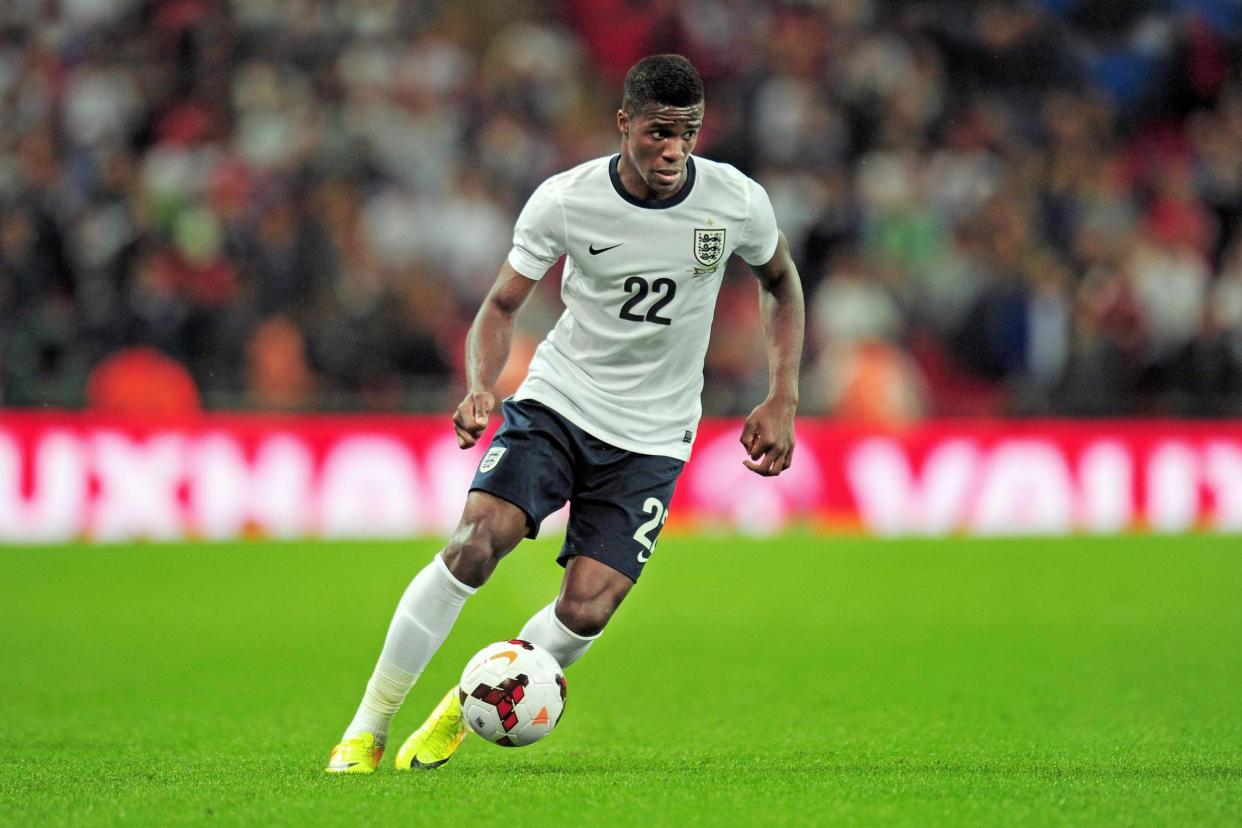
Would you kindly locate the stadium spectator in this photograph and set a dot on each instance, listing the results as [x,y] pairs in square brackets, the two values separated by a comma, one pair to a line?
[277,373]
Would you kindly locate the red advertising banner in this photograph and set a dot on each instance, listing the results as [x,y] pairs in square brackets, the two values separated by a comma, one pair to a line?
[69,476]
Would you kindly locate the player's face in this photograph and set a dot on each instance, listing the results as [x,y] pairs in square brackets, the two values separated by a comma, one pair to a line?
[655,144]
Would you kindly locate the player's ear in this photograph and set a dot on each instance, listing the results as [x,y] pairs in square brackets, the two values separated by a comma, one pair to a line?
[623,122]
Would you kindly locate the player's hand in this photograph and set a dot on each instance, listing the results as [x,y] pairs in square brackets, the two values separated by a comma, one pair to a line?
[768,437]
[470,418]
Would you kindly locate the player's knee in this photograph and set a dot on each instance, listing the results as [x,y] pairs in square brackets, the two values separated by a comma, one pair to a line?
[475,549]
[586,617]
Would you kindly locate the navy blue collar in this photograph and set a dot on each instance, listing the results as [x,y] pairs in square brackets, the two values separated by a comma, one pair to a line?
[651,203]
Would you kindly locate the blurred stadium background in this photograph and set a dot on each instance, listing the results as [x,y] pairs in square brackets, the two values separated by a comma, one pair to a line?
[1001,211]
[998,208]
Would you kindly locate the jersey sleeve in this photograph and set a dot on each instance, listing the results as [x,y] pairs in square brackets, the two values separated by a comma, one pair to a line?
[759,234]
[539,235]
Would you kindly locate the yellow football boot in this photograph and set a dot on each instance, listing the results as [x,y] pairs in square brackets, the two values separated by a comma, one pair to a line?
[437,740]
[355,755]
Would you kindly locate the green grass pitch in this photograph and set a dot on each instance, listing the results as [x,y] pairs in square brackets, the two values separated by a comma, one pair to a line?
[798,680]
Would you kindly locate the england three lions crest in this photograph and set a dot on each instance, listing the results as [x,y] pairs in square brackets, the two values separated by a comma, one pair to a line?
[709,246]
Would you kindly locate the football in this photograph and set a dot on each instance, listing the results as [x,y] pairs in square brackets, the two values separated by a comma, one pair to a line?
[512,693]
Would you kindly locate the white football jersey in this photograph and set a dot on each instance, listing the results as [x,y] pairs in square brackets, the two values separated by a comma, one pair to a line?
[625,360]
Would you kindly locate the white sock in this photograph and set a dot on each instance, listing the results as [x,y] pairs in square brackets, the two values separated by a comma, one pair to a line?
[424,616]
[546,630]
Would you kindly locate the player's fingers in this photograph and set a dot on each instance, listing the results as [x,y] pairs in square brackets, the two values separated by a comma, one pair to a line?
[464,438]
[780,457]
[750,431]
[751,441]
[464,424]
[483,403]
[478,418]
[758,468]
[761,448]
[773,464]
[763,467]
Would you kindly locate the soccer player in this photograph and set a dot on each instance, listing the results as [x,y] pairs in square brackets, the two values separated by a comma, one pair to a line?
[606,416]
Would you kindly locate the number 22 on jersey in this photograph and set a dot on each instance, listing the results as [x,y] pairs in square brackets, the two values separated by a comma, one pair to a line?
[663,288]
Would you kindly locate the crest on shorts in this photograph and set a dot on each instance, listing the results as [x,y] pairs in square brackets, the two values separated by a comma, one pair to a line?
[491,459]
[708,246]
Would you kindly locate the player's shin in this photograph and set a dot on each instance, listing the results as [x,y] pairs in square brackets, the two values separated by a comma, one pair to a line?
[424,616]
[547,631]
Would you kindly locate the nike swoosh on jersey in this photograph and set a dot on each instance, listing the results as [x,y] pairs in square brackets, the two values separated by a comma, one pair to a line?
[595,252]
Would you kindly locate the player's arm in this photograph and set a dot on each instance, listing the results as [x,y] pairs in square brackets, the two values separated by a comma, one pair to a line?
[487,350]
[768,435]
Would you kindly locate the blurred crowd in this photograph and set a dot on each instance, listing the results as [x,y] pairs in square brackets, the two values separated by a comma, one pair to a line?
[998,208]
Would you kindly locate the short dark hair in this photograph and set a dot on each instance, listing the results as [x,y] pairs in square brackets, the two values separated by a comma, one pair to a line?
[661,80]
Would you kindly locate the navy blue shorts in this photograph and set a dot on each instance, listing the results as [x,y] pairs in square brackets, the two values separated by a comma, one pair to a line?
[618,499]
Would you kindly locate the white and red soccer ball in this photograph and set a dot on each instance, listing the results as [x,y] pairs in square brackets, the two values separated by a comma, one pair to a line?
[512,693]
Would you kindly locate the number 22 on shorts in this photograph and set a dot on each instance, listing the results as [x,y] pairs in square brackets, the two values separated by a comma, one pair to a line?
[659,514]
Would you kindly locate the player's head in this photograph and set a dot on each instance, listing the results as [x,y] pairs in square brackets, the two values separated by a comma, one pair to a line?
[661,80]
[659,120]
